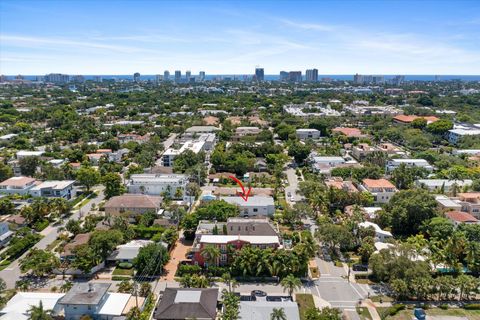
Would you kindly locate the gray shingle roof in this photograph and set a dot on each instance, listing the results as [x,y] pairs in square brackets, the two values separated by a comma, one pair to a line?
[187,303]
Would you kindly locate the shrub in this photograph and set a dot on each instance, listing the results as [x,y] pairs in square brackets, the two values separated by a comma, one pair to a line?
[393,310]
[120,278]
[125,265]
[472,306]
[216,271]
[361,275]
[40,225]
[443,306]
[189,269]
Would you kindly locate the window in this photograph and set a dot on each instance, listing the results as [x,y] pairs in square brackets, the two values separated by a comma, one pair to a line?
[255,209]
[253,228]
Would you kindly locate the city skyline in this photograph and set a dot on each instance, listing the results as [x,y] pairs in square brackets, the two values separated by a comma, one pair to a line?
[232,38]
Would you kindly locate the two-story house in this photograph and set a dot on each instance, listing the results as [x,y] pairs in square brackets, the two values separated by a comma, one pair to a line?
[470,202]
[53,189]
[93,300]
[17,185]
[381,189]
[254,206]
[132,203]
[158,184]
[305,134]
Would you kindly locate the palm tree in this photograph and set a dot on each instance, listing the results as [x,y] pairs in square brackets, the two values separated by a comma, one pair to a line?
[290,283]
[229,281]
[278,314]
[211,254]
[38,313]
[66,286]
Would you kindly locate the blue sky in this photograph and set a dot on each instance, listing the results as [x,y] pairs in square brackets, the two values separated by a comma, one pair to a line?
[227,37]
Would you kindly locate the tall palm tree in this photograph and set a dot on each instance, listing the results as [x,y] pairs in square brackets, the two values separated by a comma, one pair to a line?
[290,283]
[278,314]
[229,281]
[38,313]
[211,254]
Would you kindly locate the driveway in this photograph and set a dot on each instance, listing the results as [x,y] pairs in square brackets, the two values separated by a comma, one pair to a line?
[176,256]
[12,273]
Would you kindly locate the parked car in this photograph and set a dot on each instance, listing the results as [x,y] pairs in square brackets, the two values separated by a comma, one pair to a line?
[360,267]
[259,293]
[419,313]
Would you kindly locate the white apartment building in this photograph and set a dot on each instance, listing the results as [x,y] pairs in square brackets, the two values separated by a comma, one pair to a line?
[455,135]
[53,189]
[254,206]
[304,134]
[205,142]
[420,163]
[26,153]
[439,184]
[157,184]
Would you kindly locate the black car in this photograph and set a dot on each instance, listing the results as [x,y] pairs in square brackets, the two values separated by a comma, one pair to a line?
[360,267]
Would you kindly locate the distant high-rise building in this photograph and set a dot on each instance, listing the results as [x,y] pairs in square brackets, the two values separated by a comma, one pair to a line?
[136,77]
[57,78]
[295,76]
[283,76]
[78,78]
[358,79]
[166,75]
[19,77]
[178,76]
[158,78]
[97,79]
[3,78]
[378,79]
[311,75]
[259,74]
[398,80]
[368,79]
[188,75]
[201,76]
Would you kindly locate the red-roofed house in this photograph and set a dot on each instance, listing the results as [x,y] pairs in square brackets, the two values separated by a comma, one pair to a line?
[401,118]
[458,217]
[340,184]
[381,189]
[349,132]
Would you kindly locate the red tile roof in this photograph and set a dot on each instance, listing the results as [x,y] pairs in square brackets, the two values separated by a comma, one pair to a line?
[459,216]
[349,132]
[377,183]
[409,119]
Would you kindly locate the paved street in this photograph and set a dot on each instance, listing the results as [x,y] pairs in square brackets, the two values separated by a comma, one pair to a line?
[333,287]
[12,273]
[292,187]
